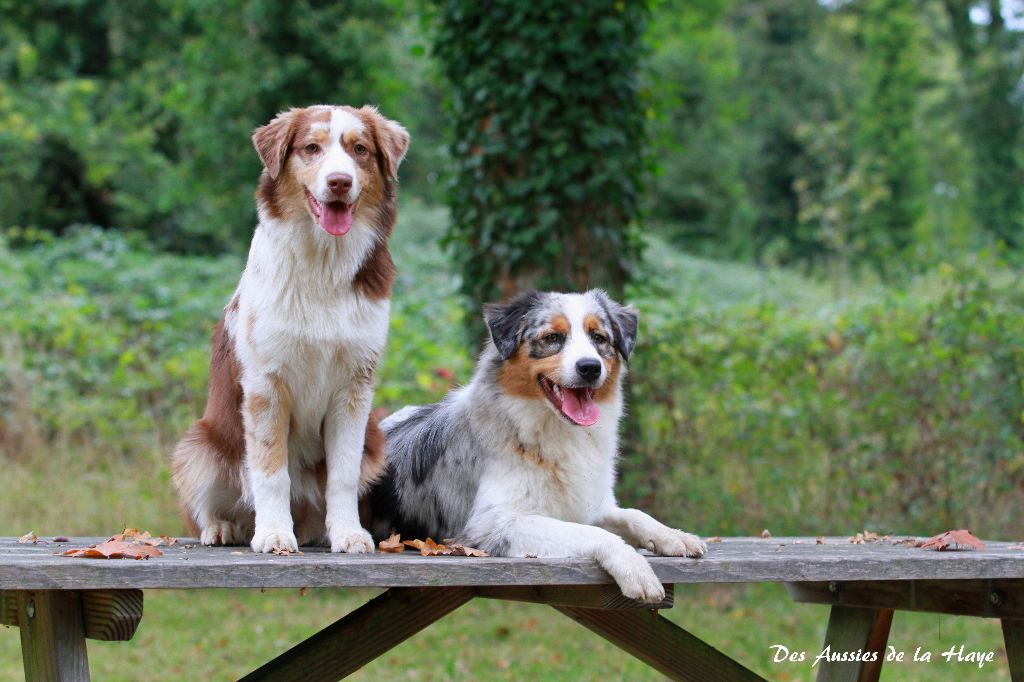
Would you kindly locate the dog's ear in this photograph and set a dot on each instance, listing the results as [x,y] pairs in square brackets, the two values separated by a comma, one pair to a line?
[624,320]
[507,322]
[273,141]
[392,140]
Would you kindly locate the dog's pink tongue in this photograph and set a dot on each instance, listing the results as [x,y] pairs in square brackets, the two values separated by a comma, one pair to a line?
[578,405]
[336,217]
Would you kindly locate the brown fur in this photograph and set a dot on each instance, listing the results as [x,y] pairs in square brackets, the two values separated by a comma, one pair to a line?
[534,457]
[518,376]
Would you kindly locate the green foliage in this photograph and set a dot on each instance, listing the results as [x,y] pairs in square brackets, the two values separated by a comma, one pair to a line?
[695,123]
[546,137]
[992,58]
[106,341]
[139,115]
[888,147]
[902,413]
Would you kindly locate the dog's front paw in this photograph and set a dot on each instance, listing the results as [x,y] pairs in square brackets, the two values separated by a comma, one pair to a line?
[221,533]
[351,540]
[266,540]
[635,577]
[677,543]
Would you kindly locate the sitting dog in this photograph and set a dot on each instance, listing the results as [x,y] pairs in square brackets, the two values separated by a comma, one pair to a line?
[286,443]
[521,462]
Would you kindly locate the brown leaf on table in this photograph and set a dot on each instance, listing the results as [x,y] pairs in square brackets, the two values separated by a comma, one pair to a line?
[62,538]
[955,540]
[715,539]
[27,538]
[766,534]
[114,549]
[428,547]
[279,551]
[820,540]
[1016,547]
[462,550]
[392,545]
[169,540]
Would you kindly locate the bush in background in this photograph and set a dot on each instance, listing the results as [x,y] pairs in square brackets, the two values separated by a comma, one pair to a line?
[902,414]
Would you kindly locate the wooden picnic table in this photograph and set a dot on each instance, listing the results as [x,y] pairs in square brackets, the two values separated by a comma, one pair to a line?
[59,602]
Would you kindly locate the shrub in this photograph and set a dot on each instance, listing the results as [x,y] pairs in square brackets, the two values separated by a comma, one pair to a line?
[904,414]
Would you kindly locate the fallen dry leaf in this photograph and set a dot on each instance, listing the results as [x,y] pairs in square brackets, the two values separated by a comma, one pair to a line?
[278,551]
[462,550]
[715,539]
[62,538]
[766,534]
[392,545]
[1016,547]
[955,540]
[303,591]
[428,547]
[169,540]
[114,549]
[27,538]
[819,540]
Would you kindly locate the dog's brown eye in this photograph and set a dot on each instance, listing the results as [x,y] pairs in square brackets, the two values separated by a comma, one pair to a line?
[360,149]
[312,148]
[553,338]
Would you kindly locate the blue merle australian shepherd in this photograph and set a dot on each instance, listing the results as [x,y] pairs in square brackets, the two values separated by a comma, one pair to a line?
[521,462]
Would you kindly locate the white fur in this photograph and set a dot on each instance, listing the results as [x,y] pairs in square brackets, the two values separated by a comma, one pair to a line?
[300,320]
[578,345]
[335,159]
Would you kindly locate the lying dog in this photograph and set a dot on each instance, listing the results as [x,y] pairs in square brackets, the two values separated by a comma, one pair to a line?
[285,443]
[521,462]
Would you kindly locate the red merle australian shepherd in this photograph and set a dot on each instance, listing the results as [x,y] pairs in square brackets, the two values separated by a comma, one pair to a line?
[286,442]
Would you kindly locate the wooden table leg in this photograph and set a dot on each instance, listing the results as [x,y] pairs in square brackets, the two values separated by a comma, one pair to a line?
[52,636]
[1013,637]
[852,629]
[363,635]
[661,644]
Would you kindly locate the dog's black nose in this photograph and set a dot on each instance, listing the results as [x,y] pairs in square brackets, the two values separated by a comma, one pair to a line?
[589,368]
[339,183]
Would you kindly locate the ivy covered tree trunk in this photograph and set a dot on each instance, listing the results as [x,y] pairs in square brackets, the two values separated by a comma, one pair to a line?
[547,142]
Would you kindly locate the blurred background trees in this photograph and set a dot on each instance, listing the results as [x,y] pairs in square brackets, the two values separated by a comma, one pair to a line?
[779,131]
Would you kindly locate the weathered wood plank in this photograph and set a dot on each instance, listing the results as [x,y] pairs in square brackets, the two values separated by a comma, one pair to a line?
[982,598]
[363,635]
[858,631]
[8,608]
[111,615]
[661,644]
[1013,638]
[583,596]
[52,636]
[733,560]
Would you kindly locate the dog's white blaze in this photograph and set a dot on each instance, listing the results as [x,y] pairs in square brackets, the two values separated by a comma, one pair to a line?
[336,159]
[579,345]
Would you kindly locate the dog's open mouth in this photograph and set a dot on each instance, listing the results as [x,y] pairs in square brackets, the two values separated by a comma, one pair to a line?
[575,404]
[334,216]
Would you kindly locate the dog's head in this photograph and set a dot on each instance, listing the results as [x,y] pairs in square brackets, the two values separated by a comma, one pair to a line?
[563,349]
[333,164]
